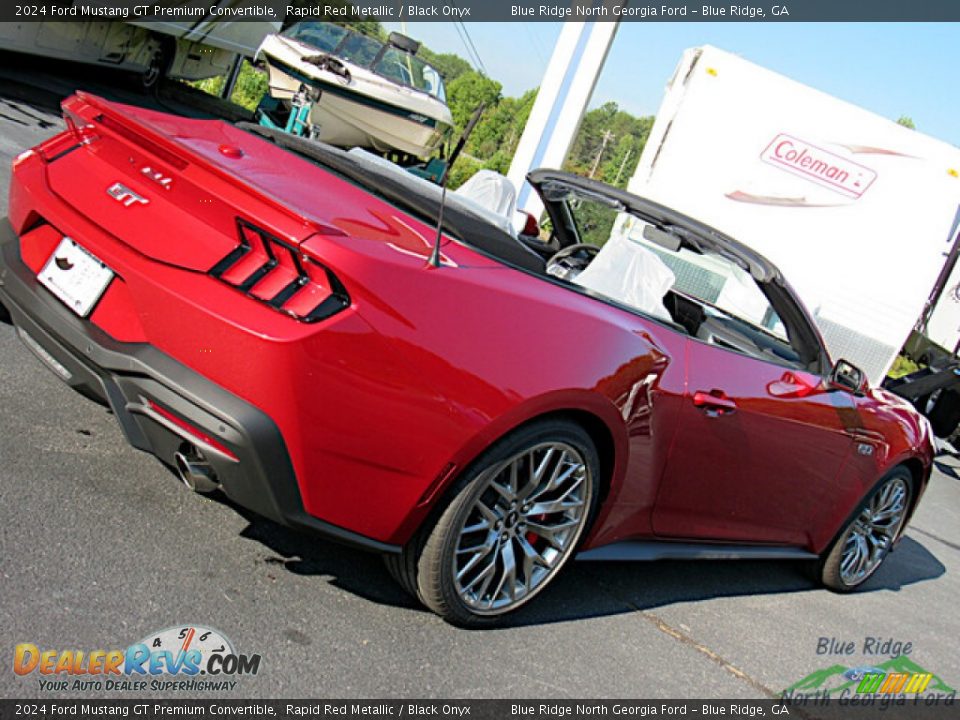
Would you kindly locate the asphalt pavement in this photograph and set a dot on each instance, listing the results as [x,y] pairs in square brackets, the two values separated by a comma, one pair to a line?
[101,546]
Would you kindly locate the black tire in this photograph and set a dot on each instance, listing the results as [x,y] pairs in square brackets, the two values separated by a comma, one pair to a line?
[426,566]
[403,569]
[944,416]
[829,568]
[160,62]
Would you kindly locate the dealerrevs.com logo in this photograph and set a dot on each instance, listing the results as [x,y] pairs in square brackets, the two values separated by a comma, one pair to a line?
[186,657]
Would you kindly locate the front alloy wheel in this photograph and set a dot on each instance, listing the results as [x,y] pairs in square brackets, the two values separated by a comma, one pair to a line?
[870,535]
[514,522]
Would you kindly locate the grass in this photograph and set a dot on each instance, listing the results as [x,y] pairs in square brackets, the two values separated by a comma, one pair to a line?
[251,86]
[902,366]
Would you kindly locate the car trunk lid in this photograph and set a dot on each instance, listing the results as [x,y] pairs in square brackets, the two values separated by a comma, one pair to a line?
[176,189]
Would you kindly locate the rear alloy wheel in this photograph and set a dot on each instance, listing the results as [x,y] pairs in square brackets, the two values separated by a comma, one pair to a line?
[515,521]
[869,536]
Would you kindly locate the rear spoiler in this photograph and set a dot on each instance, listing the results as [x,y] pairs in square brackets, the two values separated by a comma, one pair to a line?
[86,115]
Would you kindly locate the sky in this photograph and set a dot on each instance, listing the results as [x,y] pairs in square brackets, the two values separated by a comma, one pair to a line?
[891,69]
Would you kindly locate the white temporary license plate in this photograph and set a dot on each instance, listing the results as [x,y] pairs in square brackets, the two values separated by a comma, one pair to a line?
[75,276]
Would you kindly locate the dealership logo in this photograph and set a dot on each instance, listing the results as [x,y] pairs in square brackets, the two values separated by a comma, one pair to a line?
[819,166]
[171,659]
[898,679]
[893,682]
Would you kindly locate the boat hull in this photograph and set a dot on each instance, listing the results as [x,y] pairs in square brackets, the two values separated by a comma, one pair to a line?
[364,111]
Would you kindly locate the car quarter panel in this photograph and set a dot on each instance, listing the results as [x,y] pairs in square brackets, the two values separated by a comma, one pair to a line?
[475,349]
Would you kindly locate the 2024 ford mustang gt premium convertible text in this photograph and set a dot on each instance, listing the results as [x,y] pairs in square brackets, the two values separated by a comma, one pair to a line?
[263,314]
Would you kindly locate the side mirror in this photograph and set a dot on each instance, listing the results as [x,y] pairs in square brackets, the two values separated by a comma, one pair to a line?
[847,376]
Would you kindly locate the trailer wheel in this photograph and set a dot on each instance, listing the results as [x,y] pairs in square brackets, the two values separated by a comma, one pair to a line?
[159,65]
[944,416]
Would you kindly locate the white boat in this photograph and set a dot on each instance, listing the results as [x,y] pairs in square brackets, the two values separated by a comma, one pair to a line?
[365,92]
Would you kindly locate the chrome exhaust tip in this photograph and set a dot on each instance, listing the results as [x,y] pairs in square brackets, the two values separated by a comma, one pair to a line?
[195,472]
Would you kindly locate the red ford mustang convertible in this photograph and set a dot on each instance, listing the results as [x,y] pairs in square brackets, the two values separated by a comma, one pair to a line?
[267,316]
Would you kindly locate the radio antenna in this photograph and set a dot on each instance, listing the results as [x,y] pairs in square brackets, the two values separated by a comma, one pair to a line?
[445,175]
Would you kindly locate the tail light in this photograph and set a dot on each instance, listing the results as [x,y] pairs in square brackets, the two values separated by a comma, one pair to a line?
[270,270]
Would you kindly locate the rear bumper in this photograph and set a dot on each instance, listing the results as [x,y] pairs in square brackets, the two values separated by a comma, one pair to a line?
[135,378]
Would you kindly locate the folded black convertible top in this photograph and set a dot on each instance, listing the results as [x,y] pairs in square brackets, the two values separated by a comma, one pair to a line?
[421,198]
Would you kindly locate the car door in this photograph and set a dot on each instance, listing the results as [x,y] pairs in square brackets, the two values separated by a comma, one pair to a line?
[762,436]
[757,451]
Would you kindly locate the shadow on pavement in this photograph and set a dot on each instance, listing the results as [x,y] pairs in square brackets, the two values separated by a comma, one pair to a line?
[586,589]
[26,114]
[951,471]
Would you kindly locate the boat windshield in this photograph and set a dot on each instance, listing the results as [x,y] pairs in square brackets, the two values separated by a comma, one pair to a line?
[388,61]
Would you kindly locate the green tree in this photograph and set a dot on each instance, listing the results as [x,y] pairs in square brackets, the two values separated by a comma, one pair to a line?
[906,121]
[501,126]
[618,159]
[466,92]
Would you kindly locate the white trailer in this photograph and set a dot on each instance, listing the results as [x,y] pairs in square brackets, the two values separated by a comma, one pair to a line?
[860,213]
[199,46]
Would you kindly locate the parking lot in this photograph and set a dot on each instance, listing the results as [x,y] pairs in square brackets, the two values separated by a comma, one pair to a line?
[100,546]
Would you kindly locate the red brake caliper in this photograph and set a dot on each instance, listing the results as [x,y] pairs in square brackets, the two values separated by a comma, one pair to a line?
[531,536]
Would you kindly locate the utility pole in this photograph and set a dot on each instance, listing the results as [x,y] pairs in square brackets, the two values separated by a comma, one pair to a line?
[623,165]
[561,101]
[607,137]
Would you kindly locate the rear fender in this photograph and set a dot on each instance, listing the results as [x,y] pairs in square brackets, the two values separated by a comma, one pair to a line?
[438,494]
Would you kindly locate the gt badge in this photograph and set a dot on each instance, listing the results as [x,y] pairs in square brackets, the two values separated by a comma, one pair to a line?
[122,194]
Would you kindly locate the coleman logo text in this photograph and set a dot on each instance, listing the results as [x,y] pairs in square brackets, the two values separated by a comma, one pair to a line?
[818,165]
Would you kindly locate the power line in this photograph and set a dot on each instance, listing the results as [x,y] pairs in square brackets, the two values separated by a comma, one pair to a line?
[534,42]
[473,60]
[475,51]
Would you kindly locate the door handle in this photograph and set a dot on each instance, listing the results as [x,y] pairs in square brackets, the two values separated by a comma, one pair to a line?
[714,402]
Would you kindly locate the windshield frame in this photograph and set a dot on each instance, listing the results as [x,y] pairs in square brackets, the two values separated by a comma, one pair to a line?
[440,95]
